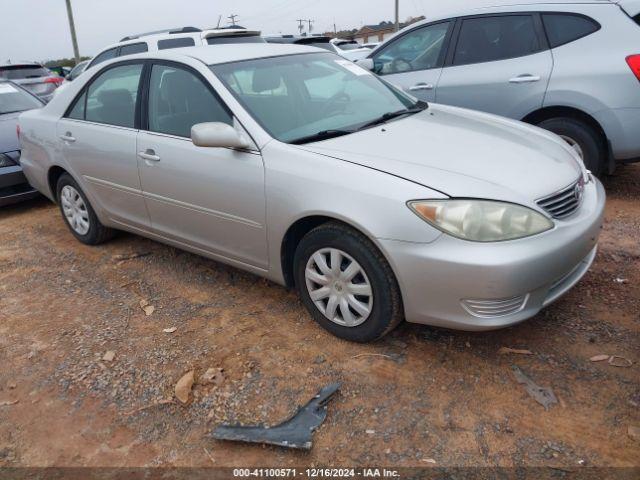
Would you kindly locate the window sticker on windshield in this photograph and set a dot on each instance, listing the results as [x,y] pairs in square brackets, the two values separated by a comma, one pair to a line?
[6,88]
[352,67]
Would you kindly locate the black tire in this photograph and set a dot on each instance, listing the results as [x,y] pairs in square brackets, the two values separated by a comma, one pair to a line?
[590,141]
[97,232]
[386,312]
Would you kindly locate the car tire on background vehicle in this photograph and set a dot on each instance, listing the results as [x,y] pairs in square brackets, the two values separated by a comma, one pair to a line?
[91,231]
[588,140]
[374,275]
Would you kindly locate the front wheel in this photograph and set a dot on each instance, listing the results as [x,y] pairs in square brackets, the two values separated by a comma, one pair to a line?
[346,284]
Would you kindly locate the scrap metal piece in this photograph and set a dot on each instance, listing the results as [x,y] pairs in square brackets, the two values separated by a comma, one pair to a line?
[296,432]
[544,396]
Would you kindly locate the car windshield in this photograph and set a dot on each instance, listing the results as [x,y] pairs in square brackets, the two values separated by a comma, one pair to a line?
[13,99]
[295,97]
[19,72]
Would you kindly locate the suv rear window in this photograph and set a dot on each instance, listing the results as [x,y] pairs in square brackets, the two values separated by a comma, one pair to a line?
[19,72]
[563,28]
[176,43]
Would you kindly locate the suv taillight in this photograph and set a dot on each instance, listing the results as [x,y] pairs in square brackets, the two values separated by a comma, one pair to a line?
[634,64]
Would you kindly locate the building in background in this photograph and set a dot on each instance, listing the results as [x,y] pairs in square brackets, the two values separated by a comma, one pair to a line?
[381,31]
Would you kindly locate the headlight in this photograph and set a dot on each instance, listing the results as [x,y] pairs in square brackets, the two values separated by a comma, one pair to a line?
[6,161]
[481,220]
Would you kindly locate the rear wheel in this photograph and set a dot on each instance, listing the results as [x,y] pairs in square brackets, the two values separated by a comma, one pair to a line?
[78,213]
[346,283]
[583,138]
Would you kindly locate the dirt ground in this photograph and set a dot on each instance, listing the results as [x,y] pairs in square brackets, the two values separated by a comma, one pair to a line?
[427,397]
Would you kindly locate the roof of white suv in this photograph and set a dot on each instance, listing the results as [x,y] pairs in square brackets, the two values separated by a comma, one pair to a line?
[216,54]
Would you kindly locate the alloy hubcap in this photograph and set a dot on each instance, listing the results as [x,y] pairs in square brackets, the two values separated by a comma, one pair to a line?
[75,210]
[573,144]
[339,287]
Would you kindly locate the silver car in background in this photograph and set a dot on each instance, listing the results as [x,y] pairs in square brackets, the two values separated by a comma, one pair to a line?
[32,76]
[571,67]
[297,165]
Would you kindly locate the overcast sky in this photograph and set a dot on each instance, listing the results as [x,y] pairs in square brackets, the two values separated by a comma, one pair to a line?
[38,29]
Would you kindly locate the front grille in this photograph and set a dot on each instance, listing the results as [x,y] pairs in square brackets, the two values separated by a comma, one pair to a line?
[565,202]
[494,308]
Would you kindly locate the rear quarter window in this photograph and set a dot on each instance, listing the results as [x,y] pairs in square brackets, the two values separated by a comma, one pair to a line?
[563,28]
[133,48]
[176,43]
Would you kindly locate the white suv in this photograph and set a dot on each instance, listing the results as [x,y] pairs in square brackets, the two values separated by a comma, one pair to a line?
[175,38]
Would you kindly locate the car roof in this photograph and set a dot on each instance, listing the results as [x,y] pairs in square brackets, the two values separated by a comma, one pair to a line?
[217,54]
[528,4]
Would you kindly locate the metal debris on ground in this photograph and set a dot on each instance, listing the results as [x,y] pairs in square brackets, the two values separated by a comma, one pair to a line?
[296,432]
[544,396]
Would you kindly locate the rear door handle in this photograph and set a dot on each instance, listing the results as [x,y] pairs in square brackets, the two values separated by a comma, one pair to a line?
[526,78]
[67,137]
[421,86]
[149,155]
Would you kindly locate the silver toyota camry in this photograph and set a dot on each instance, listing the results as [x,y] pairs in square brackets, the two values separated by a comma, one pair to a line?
[297,165]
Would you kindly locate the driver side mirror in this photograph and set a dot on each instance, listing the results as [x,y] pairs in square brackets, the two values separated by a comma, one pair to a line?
[366,63]
[217,134]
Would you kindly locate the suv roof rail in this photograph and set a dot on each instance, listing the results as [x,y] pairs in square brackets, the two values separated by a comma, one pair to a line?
[169,31]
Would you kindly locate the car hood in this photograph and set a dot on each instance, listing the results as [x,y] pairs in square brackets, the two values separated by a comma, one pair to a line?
[462,153]
[8,136]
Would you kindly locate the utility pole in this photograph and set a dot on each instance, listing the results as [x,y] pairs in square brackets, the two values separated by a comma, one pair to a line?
[300,25]
[72,27]
[396,27]
[310,22]
[232,17]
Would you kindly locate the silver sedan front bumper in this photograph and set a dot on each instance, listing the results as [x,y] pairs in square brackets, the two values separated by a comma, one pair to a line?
[482,286]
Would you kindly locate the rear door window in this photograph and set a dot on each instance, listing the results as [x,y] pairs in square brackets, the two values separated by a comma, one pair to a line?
[133,48]
[111,97]
[487,39]
[563,28]
[176,43]
[20,72]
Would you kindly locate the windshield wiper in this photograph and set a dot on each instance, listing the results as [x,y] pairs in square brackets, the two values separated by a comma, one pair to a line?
[322,135]
[385,117]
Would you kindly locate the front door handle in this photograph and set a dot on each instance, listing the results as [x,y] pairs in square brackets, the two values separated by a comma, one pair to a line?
[526,78]
[149,155]
[421,86]
[67,137]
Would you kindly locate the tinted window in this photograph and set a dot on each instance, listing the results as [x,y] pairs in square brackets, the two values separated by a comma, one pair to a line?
[77,112]
[111,98]
[19,72]
[565,28]
[488,39]
[235,39]
[13,99]
[176,43]
[178,100]
[133,48]
[420,49]
[104,56]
